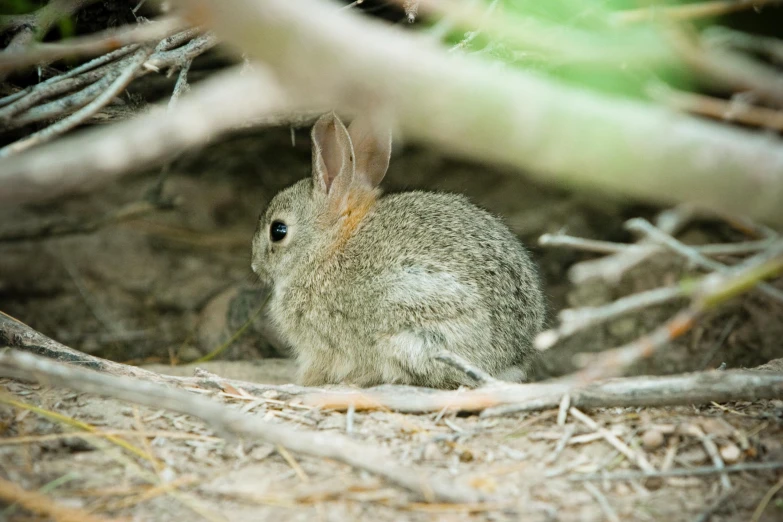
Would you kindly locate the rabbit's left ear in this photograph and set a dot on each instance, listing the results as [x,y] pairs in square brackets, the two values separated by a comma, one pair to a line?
[333,168]
[372,150]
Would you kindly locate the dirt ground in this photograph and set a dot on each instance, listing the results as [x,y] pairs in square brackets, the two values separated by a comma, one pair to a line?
[166,288]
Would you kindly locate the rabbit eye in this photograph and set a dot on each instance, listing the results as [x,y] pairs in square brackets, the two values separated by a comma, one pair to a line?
[278,231]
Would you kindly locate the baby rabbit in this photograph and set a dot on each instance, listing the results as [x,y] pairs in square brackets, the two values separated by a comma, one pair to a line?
[367,288]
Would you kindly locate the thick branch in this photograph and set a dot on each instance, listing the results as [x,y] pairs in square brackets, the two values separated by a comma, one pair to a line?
[692,388]
[766,382]
[556,133]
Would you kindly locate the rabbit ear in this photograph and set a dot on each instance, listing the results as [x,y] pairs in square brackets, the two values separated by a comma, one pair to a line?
[372,149]
[333,168]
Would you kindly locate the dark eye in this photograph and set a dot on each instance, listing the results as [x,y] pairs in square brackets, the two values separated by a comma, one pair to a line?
[278,231]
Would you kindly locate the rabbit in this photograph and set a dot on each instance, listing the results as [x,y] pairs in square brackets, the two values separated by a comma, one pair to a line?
[366,288]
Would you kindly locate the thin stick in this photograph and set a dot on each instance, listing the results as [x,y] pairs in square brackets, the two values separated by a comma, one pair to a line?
[688,11]
[720,109]
[42,505]
[705,515]
[680,472]
[93,44]
[611,268]
[481,377]
[221,104]
[655,234]
[588,245]
[576,319]
[614,362]
[62,126]
[182,84]
[712,451]
[293,463]
[69,421]
[610,513]
[27,98]
[163,57]
[562,411]
[709,292]
[608,247]
[765,501]
[30,367]
[612,439]
[561,444]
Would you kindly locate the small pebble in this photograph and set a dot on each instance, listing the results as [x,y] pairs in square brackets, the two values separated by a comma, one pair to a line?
[730,453]
[652,439]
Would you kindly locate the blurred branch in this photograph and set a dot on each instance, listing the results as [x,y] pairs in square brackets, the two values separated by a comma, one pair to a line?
[731,111]
[731,69]
[636,48]
[569,136]
[556,133]
[37,24]
[765,45]
[689,11]
[91,45]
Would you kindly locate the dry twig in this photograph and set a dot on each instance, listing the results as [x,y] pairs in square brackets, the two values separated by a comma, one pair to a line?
[611,268]
[611,515]
[94,44]
[20,109]
[42,505]
[39,23]
[693,388]
[707,293]
[573,320]
[611,438]
[561,240]
[765,501]
[731,111]
[658,236]
[712,450]
[29,367]
[116,86]
[688,11]
[82,162]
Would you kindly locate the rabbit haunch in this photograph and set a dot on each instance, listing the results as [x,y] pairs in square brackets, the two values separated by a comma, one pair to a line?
[367,288]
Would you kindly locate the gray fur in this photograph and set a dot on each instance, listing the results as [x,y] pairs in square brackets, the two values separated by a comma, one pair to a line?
[421,272]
